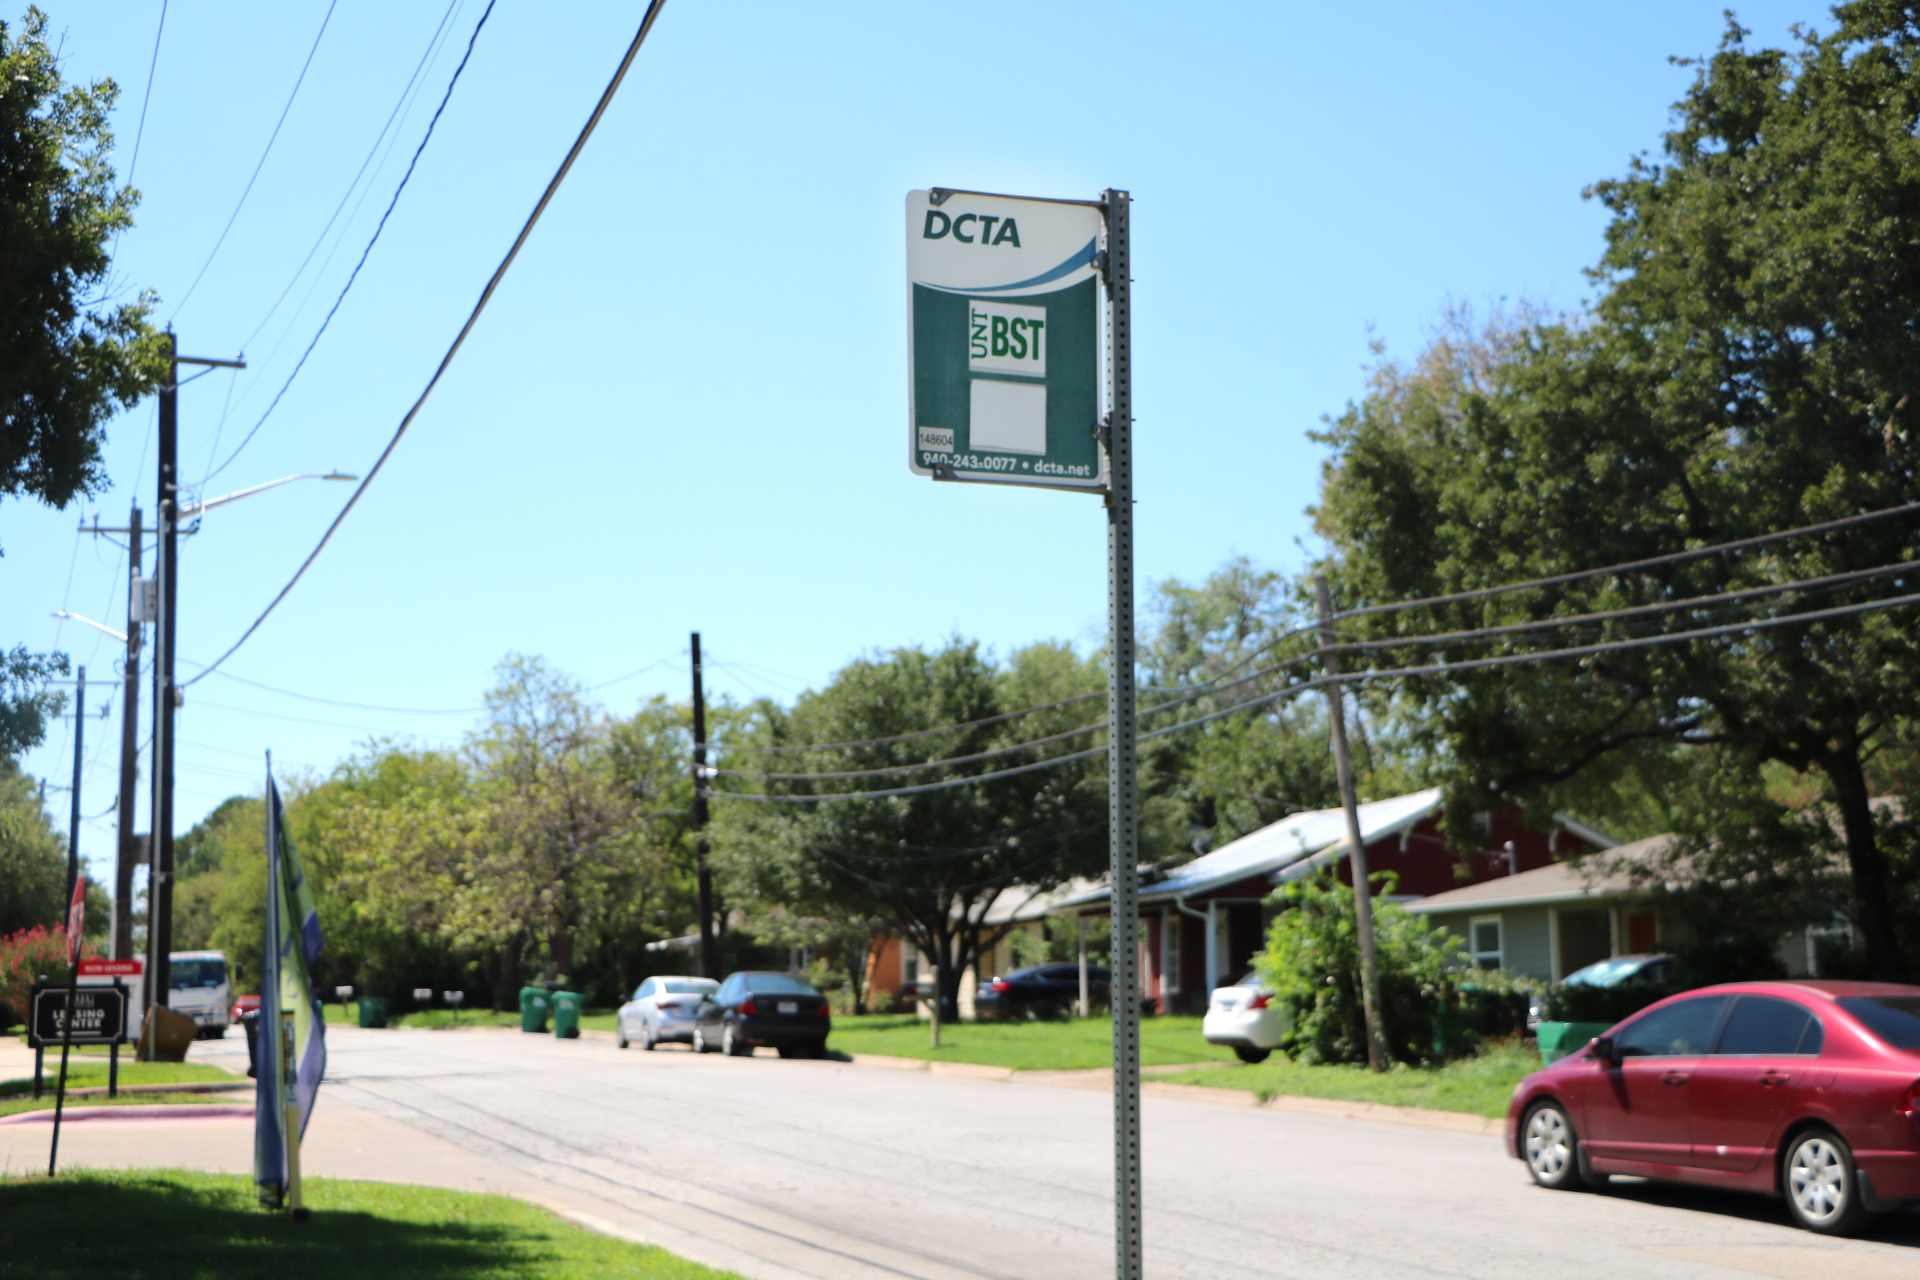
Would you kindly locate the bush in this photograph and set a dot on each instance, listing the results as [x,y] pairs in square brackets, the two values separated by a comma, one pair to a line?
[1580,1003]
[25,956]
[1312,965]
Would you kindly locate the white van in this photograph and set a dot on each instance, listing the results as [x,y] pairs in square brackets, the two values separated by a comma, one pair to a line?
[201,989]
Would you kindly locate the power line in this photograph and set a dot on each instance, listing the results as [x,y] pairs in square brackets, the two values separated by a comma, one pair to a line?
[245,192]
[141,130]
[1354,677]
[354,275]
[1630,566]
[486,295]
[355,706]
[372,151]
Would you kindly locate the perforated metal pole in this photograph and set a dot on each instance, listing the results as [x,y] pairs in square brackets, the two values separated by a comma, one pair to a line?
[1123,800]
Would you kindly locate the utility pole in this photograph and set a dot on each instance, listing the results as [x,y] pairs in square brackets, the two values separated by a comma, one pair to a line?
[166,693]
[1377,1056]
[709,946]
[122,941]
[73,943]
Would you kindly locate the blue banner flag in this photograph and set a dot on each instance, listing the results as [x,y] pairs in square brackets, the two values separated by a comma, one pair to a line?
[290,1055]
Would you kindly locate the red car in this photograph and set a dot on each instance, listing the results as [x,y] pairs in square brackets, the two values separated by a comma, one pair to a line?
[1809,1090]
[245,1004]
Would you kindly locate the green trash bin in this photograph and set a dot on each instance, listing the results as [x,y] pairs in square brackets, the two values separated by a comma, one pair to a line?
[533,1009]
[373,1011]
[566,1014]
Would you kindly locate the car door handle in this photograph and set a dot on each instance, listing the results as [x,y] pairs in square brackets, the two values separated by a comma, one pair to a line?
[1675,1077]
[1775,1077]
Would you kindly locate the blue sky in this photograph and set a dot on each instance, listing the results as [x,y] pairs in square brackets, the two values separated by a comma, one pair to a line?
[686,407]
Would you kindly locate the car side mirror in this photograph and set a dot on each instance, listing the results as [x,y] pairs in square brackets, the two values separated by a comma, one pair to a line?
[1602,1048]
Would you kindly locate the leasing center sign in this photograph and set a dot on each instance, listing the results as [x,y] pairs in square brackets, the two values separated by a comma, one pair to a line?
[1004,346]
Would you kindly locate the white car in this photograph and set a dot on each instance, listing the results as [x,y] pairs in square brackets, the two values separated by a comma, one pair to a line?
[1244,1018]
[662,1009]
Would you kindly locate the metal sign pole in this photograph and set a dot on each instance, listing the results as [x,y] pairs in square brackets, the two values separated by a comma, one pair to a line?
[1122,756]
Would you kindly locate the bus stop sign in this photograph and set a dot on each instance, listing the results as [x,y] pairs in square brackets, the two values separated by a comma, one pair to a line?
[1004,338]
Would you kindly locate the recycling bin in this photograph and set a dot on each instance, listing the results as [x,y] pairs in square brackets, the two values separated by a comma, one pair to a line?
[566,1014]
[533,1009]
[373,1011]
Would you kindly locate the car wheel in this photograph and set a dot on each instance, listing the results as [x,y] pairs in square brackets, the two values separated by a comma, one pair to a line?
[1551,1148]
[790,1051]
[647,1037]
[1250,1055]
[732,1045]
[700,1044]
[620,1031]
[1823,1191]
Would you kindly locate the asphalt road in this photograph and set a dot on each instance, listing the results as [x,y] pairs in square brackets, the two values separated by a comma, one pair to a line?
[821,1169]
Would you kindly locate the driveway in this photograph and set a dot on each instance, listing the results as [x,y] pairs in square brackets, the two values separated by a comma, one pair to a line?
[820,1169]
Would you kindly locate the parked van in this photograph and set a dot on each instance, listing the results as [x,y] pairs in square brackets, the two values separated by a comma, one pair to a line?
[201,989]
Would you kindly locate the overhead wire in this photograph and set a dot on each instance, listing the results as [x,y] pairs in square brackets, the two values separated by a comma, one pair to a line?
[356,706]
[140,130]
[486,295]
[1630,566]
[354,275]
[260,164]
[1354,677]
[420,66]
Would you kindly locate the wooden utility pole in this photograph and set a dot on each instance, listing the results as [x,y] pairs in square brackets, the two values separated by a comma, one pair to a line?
[709,945]
[1377,1056]
[121,947]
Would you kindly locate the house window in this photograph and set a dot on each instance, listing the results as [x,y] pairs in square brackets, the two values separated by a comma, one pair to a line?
[1483,942]
[909,969]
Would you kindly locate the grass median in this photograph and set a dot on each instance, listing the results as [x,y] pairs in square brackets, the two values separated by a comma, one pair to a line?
[1063,1045]
[1480,1085]
[119,1225]
[17,1095]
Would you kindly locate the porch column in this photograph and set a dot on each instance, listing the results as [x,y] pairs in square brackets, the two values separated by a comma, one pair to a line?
[1085,990]
[1213,948]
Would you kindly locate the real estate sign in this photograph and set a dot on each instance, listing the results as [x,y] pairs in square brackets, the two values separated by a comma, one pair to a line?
[1004,338]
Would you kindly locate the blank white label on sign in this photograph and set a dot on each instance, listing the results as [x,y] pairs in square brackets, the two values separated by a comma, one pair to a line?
[1004,338]
[1010,417]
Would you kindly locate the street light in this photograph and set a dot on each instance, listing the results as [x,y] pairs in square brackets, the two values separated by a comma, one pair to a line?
[189,512]
[121,636]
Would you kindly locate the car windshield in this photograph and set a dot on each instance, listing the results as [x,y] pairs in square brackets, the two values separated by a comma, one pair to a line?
[1895,1019]
[1608,973]
[687,987]
[778,984]
[193,975]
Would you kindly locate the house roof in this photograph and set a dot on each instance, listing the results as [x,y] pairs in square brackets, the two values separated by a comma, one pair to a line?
[1291,841]
[1295,846]
[1608,875]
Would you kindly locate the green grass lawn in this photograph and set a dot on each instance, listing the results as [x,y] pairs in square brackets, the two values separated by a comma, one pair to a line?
[135,1224]
[350,1017]
[1024,1046]
[17,1095]
[1478,1086]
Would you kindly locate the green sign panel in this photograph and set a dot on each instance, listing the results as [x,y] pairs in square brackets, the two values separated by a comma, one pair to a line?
[1004,349]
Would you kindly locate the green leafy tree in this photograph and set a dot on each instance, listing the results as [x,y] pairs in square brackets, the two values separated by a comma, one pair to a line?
[931,864]
[68,359]
[1748,366]
[33,856]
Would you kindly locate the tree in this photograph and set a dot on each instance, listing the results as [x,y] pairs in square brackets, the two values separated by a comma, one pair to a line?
[66,359]
[930,864]
[33,856]
[1748,366]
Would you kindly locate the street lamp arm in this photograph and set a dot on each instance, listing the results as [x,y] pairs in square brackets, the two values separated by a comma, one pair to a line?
[187,513]
[121,636]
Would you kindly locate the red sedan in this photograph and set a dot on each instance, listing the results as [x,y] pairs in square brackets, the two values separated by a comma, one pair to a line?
[1809,1090]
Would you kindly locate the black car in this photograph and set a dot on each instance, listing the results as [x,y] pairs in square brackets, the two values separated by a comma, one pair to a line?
[752,1009]
[1040,991]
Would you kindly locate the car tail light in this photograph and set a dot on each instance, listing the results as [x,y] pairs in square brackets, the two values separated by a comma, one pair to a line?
[999,986]
[1259,1001]
[826,1011]
[748,1008]
[1910,1102]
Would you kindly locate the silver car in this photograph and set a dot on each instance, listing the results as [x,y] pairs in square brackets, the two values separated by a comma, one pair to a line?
[662,1009]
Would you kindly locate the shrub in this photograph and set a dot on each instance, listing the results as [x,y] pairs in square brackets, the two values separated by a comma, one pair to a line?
[1312,965]
[25,956]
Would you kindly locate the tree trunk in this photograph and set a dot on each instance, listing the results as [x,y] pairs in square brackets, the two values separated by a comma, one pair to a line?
[560,946]
[1873,902]
[503,973]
